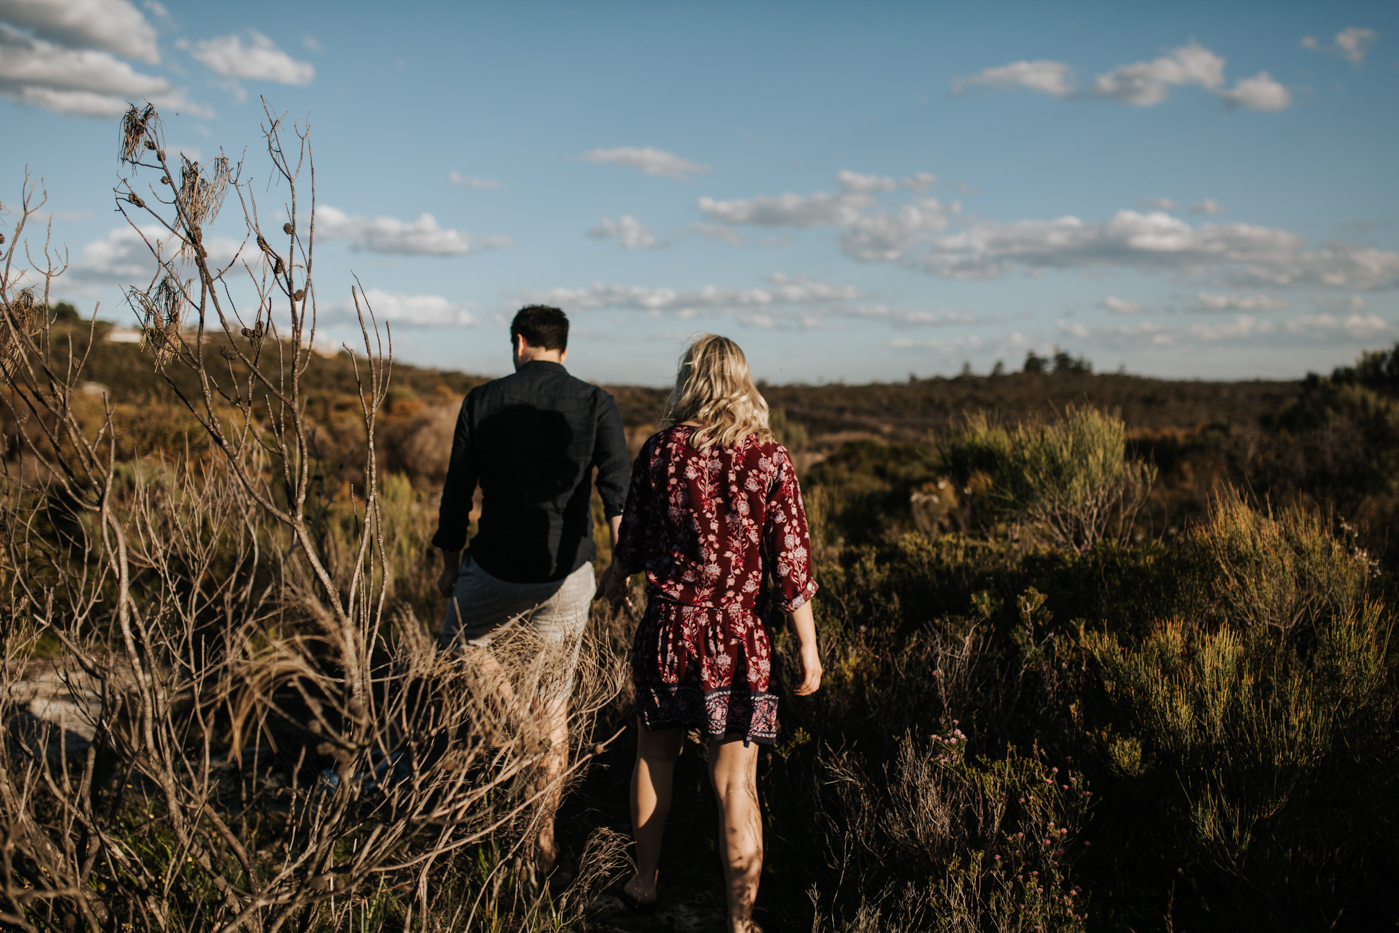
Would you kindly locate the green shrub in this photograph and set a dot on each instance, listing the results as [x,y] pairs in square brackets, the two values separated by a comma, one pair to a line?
[939,842]
[1070,478]
[1239,717]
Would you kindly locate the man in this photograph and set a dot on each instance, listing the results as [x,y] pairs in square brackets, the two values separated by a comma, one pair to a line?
[531,440]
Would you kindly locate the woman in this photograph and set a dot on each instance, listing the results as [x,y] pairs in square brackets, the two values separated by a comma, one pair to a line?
[715,520]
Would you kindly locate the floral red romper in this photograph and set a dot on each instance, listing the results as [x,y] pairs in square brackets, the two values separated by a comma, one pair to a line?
[722,536]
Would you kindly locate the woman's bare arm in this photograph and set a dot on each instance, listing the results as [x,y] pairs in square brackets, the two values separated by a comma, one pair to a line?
[805,624]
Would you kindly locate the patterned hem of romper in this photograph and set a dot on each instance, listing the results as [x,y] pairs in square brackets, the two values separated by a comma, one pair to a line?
[705,668]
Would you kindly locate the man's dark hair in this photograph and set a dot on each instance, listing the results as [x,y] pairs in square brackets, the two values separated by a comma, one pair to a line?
[541,326]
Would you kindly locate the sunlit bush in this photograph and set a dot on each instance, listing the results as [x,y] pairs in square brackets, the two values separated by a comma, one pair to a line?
[1071,479]
[1235,716]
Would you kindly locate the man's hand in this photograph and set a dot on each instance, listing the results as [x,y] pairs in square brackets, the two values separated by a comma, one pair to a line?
[613,587]
[451,567]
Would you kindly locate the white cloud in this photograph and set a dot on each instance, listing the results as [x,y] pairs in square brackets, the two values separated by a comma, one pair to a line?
[922,232]
[1308,329]
[260,60]
[1355,43]
[1259,92]
[110,25]
[1121,306]
[1204,301]
[889,235]
[1359,326]
[85,82]
[948,345]
[718,232]
[1352,44]
[1044,76]
[1073,329]
[1207,206]
[873,236]
[649,160]
[1145,332]
[1235,252]
[311,43]
[630,232]
[821,209]
[414,310]
[1145,84]
[1159,204]
[1242,327]
[911,317]
[921,182]
[422,237]
[780,291]
[483,184]
[864,184]
[159,11]
[123,258]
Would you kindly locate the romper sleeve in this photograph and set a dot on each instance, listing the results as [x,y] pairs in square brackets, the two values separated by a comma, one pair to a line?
[638,516]
[787,538]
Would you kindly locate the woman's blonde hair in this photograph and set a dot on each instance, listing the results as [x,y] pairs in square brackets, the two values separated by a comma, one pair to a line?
[714,389]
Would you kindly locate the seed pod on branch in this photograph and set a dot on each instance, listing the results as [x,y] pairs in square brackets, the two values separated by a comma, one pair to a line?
[202,191]
[162,309]
[287,228]
[165,179]
[136,128]
[277,267]
[135,198]
[300,294]
[17,326]
[262,244]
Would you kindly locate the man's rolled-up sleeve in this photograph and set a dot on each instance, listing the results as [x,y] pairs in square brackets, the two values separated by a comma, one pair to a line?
[610,457]
[454,515]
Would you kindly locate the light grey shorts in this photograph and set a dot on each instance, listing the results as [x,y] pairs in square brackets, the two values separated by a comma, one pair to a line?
[553,615]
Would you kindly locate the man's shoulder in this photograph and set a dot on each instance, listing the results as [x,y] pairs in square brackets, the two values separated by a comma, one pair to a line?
[541,385]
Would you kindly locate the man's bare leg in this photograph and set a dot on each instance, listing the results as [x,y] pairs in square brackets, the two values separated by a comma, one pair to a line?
[554,724]
[496,686]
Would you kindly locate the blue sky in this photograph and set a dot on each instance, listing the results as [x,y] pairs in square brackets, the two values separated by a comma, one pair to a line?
[853,192]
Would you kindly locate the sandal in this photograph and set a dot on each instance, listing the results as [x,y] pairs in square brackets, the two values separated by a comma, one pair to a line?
[637,907]
[764,921]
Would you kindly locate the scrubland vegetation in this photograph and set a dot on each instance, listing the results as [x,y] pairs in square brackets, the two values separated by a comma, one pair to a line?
[1101,652]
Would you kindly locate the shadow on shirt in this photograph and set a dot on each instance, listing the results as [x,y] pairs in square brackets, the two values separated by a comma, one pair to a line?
[536,518]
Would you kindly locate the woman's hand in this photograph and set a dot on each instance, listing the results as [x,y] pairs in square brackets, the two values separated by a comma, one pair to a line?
[805,624]
[613,587]
[811,671]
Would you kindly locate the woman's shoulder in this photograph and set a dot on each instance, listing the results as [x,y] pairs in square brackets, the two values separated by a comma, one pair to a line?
[666,439]
[766,452]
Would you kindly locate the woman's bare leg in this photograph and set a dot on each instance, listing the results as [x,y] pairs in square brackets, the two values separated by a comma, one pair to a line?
[733,769]
[651,782]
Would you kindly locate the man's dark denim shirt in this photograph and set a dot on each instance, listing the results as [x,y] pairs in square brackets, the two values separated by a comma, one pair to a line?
[531,440]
